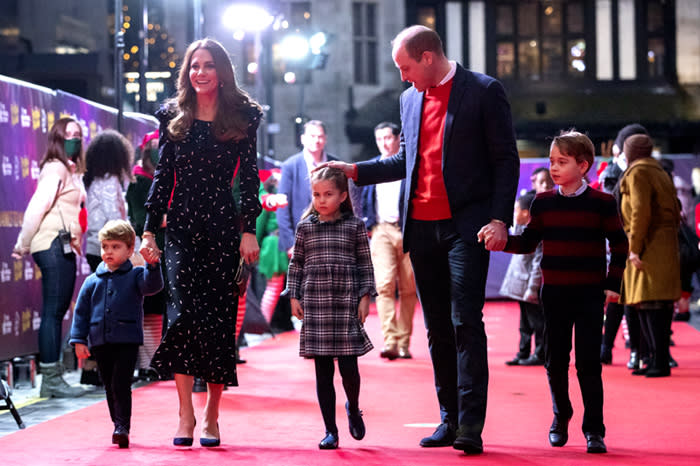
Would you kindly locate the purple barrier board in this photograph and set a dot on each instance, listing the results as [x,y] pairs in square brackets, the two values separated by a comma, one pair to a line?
[27,112]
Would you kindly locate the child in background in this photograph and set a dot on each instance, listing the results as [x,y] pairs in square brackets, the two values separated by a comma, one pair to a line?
[273,263]
[108,319]
[154,307]
[522,283]
[329,283]
[573,222]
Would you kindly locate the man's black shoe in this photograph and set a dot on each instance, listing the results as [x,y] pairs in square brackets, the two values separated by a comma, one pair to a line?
[532,361]
[513,362]
[121,437]
[595,444]
[444,436]
[559,432]
[468,445]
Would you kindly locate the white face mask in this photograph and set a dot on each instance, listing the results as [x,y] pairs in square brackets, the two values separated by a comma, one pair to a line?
[622,161]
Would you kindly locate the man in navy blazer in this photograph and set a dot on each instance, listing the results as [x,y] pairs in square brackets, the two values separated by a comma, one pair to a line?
[461,164]
[294,181]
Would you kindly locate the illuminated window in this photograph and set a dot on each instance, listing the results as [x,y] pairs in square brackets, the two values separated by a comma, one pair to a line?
[540,40]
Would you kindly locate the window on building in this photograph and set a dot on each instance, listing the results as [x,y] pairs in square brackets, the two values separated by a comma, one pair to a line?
[540,40]
[654,43]
[427,16]
[364,42]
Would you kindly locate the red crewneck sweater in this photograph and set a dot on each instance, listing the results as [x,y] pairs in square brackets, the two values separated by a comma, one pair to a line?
[430,198]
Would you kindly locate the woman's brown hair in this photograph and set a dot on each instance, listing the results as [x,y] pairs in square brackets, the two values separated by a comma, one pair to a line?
[56,146]
[234,105]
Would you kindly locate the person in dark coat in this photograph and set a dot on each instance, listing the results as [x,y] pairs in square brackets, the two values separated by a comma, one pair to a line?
[108,318]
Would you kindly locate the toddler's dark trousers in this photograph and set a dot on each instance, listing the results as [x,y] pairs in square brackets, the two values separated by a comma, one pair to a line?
[116,363]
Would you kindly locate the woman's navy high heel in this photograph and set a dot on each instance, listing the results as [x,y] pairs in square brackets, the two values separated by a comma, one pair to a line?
[211,442]
[184,441]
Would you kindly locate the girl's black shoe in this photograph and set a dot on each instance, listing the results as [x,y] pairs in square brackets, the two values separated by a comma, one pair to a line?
[355,423]
[329,442]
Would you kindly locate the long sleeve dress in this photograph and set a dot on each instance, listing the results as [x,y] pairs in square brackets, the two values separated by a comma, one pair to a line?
[330,271]
[202,245]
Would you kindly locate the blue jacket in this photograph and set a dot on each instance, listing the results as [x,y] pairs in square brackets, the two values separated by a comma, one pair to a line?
[480,164]
[294,182]
[109,308]
[369,202]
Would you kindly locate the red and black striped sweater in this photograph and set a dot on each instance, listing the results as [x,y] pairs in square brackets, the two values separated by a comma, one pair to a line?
[573,231]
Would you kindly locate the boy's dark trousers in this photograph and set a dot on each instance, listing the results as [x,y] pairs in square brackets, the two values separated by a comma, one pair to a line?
[579,308]
[531,322]
[116,363]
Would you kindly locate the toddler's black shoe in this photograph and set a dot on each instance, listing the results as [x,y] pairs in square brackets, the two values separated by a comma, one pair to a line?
[559,432]
[329,442]
[121,437]
[595,444]
[355,423]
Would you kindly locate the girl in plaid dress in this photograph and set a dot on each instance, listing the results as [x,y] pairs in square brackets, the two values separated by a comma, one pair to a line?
[330,282]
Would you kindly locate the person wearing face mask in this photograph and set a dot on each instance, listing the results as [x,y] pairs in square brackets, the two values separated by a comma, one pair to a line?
[154,307]
[52,234]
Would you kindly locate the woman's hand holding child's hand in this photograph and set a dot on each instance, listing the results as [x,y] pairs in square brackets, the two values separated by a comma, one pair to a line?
[363,309]
[149,249]
[297,311]
[82,351]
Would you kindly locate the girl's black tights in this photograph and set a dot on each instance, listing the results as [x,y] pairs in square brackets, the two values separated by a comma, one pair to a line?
[325,369]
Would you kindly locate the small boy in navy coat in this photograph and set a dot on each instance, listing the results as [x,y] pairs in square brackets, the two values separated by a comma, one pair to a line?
[108,319]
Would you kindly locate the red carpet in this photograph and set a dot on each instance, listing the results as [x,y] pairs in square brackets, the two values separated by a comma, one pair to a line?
[274,419]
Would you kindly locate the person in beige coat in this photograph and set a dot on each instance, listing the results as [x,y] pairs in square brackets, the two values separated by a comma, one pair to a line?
[651,281]
[52,234]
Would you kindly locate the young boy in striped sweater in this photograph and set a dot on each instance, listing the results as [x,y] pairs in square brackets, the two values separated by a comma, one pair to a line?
[573,222]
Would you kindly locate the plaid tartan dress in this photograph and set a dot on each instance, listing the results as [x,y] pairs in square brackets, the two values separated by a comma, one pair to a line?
[330,270]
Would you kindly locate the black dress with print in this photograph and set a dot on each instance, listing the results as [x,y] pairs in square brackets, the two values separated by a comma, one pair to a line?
[202,245]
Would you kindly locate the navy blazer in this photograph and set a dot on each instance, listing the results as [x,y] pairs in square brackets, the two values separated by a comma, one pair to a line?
[369,202]
[109,308]
[294,182]
[480,163]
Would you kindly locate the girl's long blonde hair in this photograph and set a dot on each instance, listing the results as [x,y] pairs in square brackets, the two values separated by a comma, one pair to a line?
[339,180]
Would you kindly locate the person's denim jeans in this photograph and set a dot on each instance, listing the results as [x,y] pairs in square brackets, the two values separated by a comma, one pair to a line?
[57,284]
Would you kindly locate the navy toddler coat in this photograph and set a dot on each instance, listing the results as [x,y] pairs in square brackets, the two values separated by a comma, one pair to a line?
[109,308]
